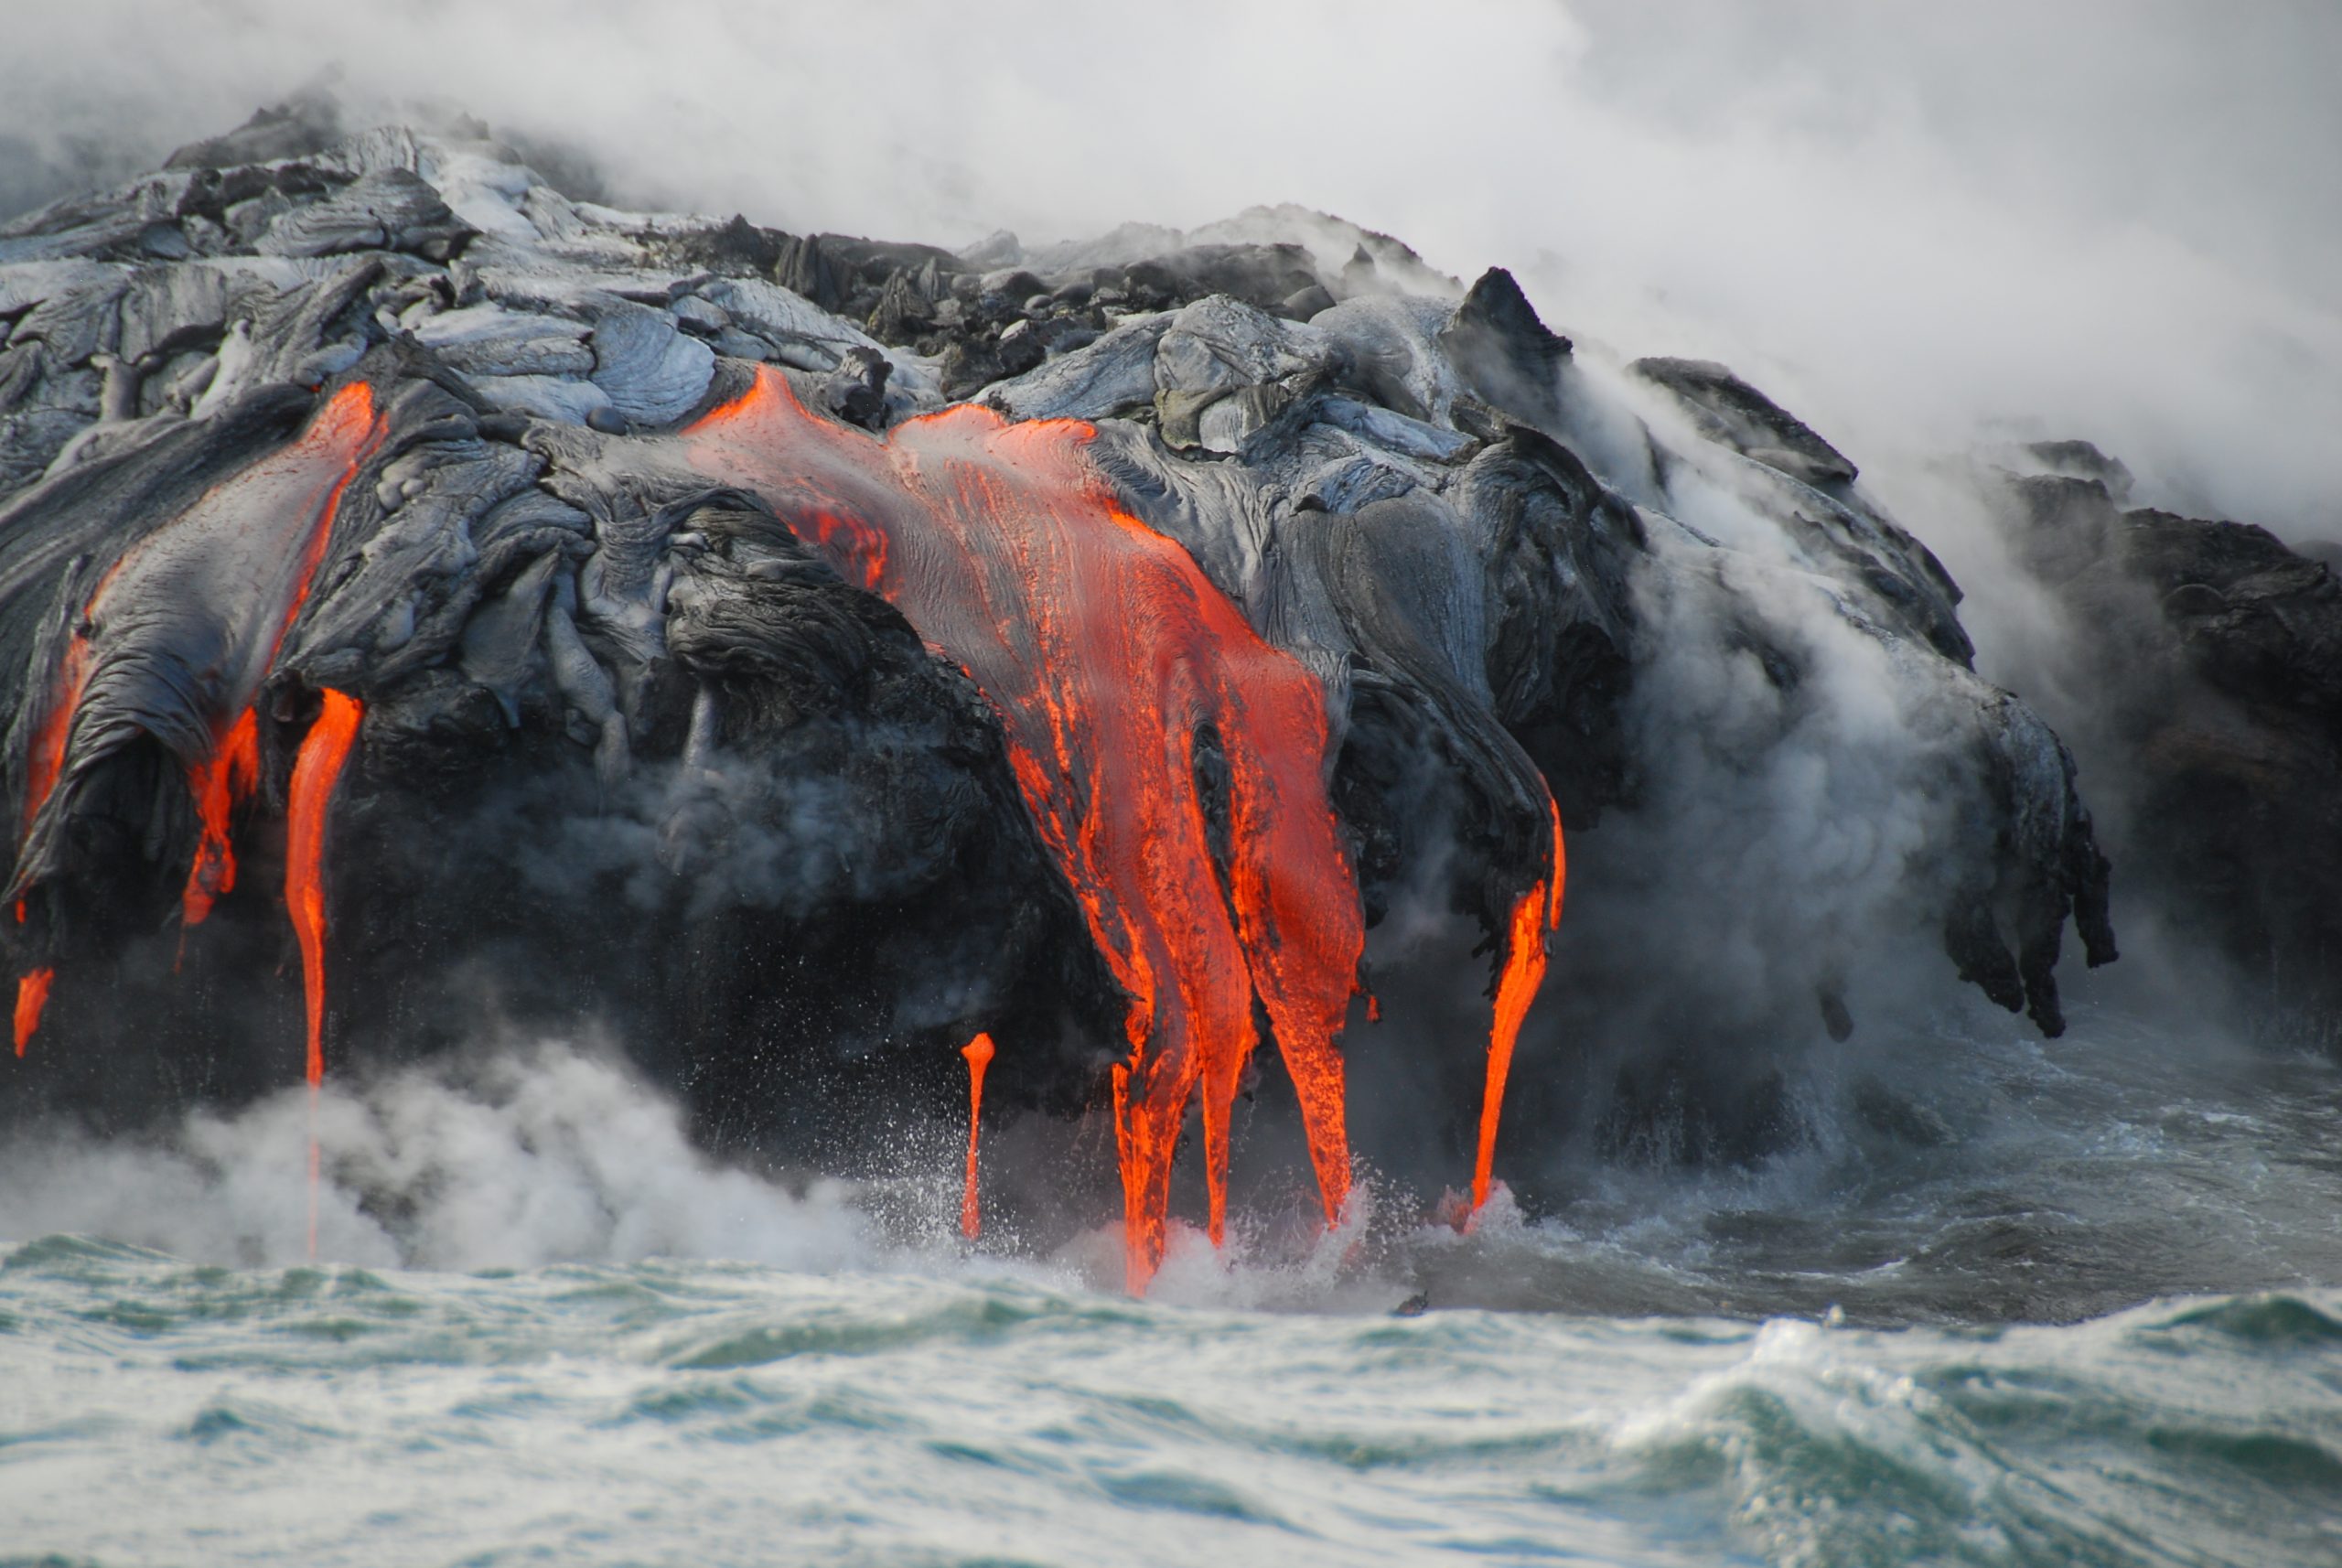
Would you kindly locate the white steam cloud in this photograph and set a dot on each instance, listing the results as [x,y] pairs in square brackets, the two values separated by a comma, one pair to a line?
[534,1156]
[1912,225]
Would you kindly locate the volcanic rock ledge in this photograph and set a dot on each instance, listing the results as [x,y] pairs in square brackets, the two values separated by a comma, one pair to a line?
[633,747]
[2211,657]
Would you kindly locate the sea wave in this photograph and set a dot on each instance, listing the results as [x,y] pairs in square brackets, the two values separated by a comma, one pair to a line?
[669,1411]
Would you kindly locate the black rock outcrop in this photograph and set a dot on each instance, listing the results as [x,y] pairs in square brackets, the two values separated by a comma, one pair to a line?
[2199,676]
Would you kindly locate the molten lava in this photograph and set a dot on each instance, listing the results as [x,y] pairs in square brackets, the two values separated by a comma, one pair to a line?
[189,621]
[315,772]
[1538,911]
[1107,653]
[32,995]
[47,753]
[181,631]
[979,1054]
[41,768]
[220,783]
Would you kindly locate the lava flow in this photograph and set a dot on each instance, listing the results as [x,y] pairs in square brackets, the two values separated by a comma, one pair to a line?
[315,772]
[979,1054]
[179,634]
[1538,911]
[1107,653]
[41,769]
[220,783]
[32,995]
[47,756]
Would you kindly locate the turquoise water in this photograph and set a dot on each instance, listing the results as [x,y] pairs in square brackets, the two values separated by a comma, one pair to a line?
[2098,1324]
[665,1413]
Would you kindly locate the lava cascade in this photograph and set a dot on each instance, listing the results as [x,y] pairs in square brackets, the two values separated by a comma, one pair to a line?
[1108,654]
[231,576]
[1534,914]
[979,1054]
[220,783]
[316,770]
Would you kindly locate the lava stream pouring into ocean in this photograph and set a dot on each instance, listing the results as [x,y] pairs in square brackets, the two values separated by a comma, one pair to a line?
[1112,661]
[1106,651]
[324,752]
[231,574]
[978,1053]
[1536,913]
[1108,654]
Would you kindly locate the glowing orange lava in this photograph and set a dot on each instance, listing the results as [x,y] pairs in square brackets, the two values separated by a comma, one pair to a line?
[246,551]
[48,751]
[315,772]
[979,1054]
[350,427]
[32,995]
[41,768]
[1106,651]
[1538,911]
[220,783]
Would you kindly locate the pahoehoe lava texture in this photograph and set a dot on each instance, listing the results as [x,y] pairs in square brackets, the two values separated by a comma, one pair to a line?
[693,579]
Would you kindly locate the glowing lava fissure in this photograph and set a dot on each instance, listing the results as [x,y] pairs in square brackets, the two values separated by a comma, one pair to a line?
[1105,650]
[1534,914]
[324,751]
[979,1054]
[179,635]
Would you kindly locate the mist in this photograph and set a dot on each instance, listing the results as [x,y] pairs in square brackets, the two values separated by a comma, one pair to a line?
[536,1152]
[1917,229]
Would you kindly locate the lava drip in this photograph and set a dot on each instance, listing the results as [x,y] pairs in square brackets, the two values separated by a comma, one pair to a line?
[220,783]
[179,634]
[1107,652]
[315,772]
[1537,912]
[32,995]
[979,1054]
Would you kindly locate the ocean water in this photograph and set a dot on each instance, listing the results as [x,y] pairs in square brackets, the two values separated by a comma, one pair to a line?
[2077,1303]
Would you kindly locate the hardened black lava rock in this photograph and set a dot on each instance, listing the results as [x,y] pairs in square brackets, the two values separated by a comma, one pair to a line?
[630,753]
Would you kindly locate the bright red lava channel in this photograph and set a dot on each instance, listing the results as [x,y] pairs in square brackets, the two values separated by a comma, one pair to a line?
[1107,652]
